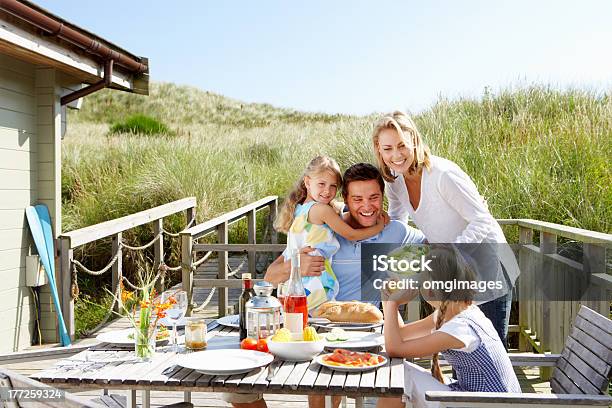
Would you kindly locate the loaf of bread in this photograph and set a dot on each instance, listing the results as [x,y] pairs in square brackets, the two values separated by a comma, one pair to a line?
[353,312]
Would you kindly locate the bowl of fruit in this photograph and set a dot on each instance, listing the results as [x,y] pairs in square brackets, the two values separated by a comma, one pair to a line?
[288,347]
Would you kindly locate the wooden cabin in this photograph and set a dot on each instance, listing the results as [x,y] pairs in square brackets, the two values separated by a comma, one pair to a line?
[47,65]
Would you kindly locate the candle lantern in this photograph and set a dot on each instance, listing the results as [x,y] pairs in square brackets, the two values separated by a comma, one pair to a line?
[263,312]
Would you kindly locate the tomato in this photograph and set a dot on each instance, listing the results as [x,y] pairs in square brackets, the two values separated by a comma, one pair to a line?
[248,344]
[262,345]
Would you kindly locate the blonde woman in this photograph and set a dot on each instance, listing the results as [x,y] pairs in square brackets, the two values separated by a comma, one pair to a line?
[444,203]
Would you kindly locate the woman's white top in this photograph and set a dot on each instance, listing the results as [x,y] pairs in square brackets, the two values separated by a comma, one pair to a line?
[450,210]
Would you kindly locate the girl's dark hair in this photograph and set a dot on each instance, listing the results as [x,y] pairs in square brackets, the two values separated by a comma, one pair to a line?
[361,172]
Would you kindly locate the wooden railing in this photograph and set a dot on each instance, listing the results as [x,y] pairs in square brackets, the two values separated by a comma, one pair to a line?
[113,228]
[220,227]
[544,324]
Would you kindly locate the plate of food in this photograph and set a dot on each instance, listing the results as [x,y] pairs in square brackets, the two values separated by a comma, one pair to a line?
[224,361]
[126,336]
[346,360]
[351,315]
[353,340]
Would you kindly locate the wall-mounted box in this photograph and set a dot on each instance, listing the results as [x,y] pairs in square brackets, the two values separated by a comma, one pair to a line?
[35,273]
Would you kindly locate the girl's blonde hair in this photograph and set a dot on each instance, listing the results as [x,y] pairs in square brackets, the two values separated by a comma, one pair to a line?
[407,130]
[447,264]
[318,165]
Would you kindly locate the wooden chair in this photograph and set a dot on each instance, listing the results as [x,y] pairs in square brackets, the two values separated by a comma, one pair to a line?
[581,374]
[12,380]
[120,401]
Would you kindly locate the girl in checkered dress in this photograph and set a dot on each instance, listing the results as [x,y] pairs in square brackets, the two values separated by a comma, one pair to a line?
[457,329]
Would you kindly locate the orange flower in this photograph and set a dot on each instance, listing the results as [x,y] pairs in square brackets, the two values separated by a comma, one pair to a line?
[126,295]
[144,305]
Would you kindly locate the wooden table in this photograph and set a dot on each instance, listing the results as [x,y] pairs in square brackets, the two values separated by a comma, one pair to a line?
[162,373]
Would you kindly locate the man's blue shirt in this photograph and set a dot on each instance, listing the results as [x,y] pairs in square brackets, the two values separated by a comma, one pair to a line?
[346,263]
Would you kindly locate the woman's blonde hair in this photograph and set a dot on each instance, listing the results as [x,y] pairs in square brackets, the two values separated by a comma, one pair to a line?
[448,265]
[407,130]
[318,165]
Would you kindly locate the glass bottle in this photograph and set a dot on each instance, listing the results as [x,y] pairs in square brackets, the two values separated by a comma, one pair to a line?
[295,306]
[247,294]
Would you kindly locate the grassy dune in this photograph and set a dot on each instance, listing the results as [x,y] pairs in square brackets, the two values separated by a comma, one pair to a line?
[533,153]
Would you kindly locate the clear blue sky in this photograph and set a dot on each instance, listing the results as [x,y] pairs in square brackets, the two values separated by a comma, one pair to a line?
[358,56]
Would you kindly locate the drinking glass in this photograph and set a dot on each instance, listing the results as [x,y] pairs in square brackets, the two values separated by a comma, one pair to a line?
[175,312]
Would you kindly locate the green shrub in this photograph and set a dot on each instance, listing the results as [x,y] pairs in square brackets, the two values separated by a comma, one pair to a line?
[140,125]
[89,311]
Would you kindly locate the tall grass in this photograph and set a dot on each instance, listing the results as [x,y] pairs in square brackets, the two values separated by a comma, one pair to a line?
[533,152]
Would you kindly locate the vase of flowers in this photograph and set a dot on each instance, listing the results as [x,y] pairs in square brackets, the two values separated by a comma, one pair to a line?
[145,326]
[143,311]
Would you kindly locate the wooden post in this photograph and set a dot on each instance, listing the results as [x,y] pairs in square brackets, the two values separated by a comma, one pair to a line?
[271,217]
[187,259]
[158,249]
[190,214]
[525,303]
[66,256]
[547,333]
[222,238]
[117,269]
[594,261]
[186,272]
[252,238]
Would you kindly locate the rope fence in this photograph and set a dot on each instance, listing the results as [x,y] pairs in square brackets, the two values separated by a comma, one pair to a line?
[121,282]
[163,268]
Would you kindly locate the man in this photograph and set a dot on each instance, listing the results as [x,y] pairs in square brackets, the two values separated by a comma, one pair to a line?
[363,192]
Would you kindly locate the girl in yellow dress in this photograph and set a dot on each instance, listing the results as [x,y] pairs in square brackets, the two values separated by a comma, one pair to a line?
[309,219]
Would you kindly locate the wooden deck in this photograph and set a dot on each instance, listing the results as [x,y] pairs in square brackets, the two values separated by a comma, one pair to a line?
[528,376]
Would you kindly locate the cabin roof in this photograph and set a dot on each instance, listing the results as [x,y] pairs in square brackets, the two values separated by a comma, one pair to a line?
[31,33]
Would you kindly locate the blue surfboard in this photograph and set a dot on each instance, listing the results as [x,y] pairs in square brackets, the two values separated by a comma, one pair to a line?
[40,227]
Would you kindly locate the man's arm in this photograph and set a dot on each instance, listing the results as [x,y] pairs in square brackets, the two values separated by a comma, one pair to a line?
[279,270]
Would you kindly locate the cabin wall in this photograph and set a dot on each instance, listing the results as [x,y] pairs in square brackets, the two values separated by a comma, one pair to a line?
[19,173]
[31,127]
[49,125]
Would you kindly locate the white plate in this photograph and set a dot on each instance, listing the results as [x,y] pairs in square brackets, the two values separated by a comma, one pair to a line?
[356,340]
[230,320]
[345,326]
[121,337]
[168,323]
[319,359]
[225,362]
